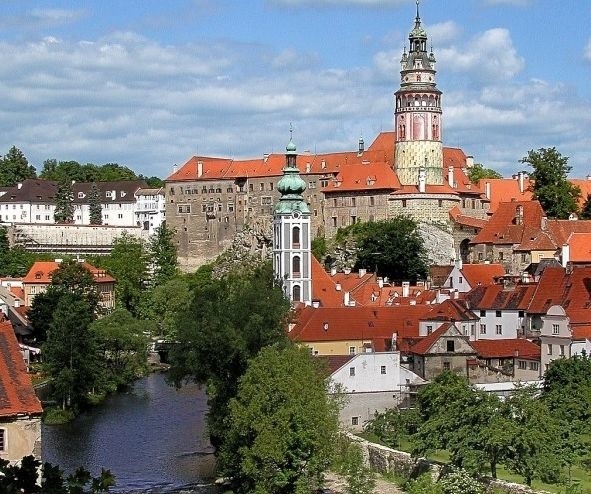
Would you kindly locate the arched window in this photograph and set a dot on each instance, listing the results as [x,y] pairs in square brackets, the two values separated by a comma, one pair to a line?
[296,266]
[295,237]
[296,293]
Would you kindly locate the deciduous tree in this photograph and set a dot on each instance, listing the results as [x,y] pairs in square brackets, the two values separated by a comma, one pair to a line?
[14,168]
[479,172]
[228,322]
[558,197]
[282,424]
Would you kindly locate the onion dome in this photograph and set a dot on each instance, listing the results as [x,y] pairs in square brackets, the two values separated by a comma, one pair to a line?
[291,186]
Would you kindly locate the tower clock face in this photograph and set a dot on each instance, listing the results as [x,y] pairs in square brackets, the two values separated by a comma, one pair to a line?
[296,215]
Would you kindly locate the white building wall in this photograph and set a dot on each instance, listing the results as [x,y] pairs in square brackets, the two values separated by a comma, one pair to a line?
[26,212]
[371,372]
[509,320]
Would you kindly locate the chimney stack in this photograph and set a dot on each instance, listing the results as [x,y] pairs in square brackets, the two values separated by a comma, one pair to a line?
[199,168]
[450,176]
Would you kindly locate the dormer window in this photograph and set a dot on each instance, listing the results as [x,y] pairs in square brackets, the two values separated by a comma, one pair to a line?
[80,195]
[38,275]
[108,193]
[123,193]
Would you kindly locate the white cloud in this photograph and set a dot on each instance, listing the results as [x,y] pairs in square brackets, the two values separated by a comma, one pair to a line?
[55,16]
[488,55]
[588,51]
[443,32]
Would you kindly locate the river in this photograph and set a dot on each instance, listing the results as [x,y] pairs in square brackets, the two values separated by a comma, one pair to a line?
[152,438]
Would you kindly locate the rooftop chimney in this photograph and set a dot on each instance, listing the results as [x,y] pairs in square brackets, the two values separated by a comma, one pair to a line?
[199,168]
[175,168]
[405,288]
[450,176]
[565,255]
[361,146]
[521,177]
[333,271]
[487,190]
[19,185]
[338,287]
[346,299]
[469,161]
[362,272]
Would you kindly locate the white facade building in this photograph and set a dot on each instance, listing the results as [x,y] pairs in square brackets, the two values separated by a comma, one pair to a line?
[150,209]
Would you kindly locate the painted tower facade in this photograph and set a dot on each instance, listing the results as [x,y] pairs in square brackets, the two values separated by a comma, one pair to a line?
[419,148]
[291,233]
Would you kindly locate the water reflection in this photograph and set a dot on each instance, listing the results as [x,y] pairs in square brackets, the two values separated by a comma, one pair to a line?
[152,438]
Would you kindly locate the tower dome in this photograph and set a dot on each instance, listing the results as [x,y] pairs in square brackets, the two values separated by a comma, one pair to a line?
[291,186]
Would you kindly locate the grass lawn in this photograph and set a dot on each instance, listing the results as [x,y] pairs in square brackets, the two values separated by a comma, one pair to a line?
[578,473]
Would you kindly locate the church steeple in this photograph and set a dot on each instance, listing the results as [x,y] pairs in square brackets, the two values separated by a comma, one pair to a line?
[292,253]
[418,112]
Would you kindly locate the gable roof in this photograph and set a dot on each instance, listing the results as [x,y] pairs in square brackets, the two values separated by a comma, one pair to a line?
[456,215]
[509,348]
[570,290]
[580,247]
[505,190]
[450,310]
[368,176]
[115,191]
[33,190]
[497,297]
[423,346]
[41,273]
[482,274]
[16,391]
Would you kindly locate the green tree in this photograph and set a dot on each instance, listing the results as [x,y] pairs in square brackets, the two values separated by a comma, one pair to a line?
[535,444]
[586,209]
[153,182]
[319,248]
[558,197]
[94,205]
[64,203]
[360,479]
[28,477]
[228,322]
[71,352]
[282,424]
[471,424]
[163,254]
[479,172]
[113,172]
[393,247]
[14,168]
[164,303]
[122,345]
[128,265]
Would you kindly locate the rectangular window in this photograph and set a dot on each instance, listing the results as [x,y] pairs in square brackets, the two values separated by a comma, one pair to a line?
[483,329]
[522,364]
[266,201]
[562,350]
[482,313]
[351,350]
[372,201]
[446,366]
[352,371]
[429,329]
[334,221]
[38,217]
[555,329]
[354,420]
[521,313]
[501,256]
[353,201]
[534,366]
[251,187]
[460,279]
[230,208]
[2,439]
[403,203]
[550,349]
[498,313]
[261,187]
[383,369]
[499,329]
[120,215]
[46,217]
[451,345]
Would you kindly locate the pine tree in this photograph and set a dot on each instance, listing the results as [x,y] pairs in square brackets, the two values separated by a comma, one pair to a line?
[64,203]
[95,207]
[163,253]
[14,168]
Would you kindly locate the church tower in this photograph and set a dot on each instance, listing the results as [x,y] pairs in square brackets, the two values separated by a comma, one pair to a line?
[292,253]
[419,149]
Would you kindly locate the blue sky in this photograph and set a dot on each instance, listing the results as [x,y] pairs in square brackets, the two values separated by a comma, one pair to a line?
[150,83]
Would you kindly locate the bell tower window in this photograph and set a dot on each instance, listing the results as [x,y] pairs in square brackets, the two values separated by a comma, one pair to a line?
[297,293]
[296,266]
[295,237]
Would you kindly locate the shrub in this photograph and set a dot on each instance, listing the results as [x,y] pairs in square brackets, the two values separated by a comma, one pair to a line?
[459,481]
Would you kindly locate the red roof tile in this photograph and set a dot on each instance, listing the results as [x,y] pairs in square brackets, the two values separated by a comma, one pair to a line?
[425,344]
[571,291]
[450,310]
[16,391]
[496,297]
[366,177]
[41,272]
[562,229]
[481,274]
[461,219]
[580,247]
[507,348]
[505,190]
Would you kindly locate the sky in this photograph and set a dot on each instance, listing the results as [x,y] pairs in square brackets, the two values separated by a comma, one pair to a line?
[148,83]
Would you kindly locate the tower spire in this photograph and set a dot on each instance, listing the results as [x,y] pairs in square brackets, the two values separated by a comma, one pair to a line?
[418,18]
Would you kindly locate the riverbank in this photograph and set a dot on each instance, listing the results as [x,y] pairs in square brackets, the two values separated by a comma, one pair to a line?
[152,437]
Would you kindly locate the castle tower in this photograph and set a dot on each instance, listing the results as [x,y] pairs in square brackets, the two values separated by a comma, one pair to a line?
[418,113]
[291,233]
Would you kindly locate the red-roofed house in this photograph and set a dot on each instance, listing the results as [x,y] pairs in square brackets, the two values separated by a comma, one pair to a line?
[444,349]
[39,278]
[505,360]
[577,250]
[516,236]
[451,310]
[465,277]
[20,410]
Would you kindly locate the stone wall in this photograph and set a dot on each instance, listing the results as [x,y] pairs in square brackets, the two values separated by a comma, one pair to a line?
[390,461]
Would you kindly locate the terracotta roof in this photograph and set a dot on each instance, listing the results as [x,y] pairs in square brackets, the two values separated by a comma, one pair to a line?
[506,227]
[357,323]
[423,346]
[16,391]
[366,177]
[335,362]
[439,274]
[17,291]
[450,310]
[571,291]
[323,287]
[581,332]
[521,348]
[585,186]
[562,229]
[580,247]
[505,190]
[497,297]
[41,272]
[481,274]
[461,219]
